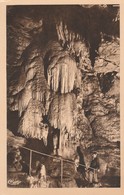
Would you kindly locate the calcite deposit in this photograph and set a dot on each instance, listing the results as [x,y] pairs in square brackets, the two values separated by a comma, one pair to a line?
[63,77]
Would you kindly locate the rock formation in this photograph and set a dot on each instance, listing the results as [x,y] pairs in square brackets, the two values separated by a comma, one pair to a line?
[63,75]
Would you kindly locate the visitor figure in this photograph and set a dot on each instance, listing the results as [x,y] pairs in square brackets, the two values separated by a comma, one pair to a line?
[25,167]
[76,161]
[94,169]
[38,168]
[41,174]
[17,160]
[18,166]
[80,167]
[18,156]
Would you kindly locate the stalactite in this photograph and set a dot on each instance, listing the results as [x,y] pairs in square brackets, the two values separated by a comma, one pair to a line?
[62,75]
[24,98]
[63,107]
[33,99]
[60,32]
[31,124]
[30,74]
[38,98]
[65,35]
[31,64]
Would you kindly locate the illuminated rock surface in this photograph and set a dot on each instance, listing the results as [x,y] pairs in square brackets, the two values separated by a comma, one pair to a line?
[63,78]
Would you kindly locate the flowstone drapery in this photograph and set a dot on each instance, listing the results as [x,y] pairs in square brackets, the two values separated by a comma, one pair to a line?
[63,85]
[47,87]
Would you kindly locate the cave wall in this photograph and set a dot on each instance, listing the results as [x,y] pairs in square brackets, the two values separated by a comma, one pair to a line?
[63,73]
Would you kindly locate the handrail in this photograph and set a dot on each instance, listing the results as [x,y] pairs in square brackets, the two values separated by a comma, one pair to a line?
[72,162]
[39,152]
[58,158]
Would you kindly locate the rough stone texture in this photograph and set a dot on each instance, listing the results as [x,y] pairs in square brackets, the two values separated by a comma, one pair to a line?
[14,141]
[108,75]
[66,76]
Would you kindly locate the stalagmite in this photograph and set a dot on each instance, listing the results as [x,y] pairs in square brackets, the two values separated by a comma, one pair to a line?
[55,144]
[45,134]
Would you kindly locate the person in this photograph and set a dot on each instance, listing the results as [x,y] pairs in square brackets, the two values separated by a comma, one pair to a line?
[25,167]
[76,161]
[94,169]
[80,168]
[38,168]
[41,174]
[18,156]
[17,160]
[33,179]
[18,166]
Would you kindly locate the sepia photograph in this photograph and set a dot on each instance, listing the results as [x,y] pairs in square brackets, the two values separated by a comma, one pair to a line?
[63,96]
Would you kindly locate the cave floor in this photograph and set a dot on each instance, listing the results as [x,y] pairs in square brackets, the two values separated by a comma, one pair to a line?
[53,170]
[107,182]
[19,180]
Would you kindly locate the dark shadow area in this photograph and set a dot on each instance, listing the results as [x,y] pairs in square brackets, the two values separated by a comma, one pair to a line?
[106,81]
[87,22]
[12,121]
